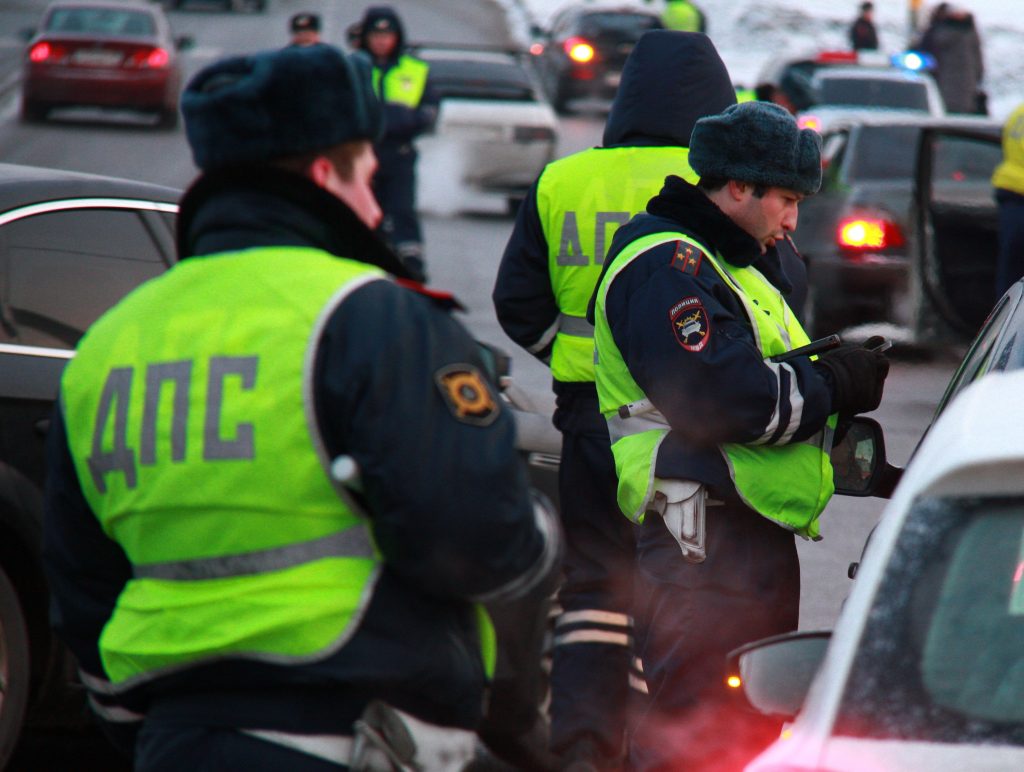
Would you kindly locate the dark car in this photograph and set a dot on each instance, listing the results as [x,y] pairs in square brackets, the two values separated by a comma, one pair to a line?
[857,233]
[583,53]
[71,245]
[223,5]
[103,54]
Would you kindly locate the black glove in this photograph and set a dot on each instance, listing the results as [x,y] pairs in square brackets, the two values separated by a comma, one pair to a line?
[856,376]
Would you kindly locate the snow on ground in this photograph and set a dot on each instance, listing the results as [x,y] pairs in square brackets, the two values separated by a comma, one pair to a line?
[748,33]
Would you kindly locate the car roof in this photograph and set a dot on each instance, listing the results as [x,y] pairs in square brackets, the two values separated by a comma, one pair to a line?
[871,73]
[134,5]
[21,185]
[841,116]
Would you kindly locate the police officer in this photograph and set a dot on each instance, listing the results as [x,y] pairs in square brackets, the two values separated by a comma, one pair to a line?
[409,109]
[1008,181]
[683,15]
[280,480]
[305,29]
[547,274]
[722,453]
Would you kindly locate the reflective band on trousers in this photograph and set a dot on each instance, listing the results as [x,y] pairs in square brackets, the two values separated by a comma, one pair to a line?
[329,747]
[351,543]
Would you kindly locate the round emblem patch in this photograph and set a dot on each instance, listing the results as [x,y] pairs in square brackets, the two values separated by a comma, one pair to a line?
[690,324]
[466,394]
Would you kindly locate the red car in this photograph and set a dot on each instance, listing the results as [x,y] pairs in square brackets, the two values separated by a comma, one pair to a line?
[103,54]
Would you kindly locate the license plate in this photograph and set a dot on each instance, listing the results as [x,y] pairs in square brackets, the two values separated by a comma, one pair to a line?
[91,57]
[613,78]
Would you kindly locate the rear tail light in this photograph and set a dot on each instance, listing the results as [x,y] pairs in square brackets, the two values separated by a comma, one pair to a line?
[809,122]
[537,49]
[869,234]
[533,134]
[45,52]
[579,50]
[149,58]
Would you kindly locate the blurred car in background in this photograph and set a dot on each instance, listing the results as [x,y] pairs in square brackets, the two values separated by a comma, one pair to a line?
[924,669]
[583,52]
[103,54]
[223,5]
[493,119]
[838,90]
[892,184]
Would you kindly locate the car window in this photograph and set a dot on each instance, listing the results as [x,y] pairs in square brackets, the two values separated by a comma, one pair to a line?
[103,21]
[872,92]
[469,79]
[965,160]
[627,26]
[941,657]
[884,153]
[60,270]
[981,358]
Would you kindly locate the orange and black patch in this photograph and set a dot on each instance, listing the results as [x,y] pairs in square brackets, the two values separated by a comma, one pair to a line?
[467,394]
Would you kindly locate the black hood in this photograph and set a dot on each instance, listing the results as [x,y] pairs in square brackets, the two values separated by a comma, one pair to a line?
[374,14]
[671,79]
[243,207]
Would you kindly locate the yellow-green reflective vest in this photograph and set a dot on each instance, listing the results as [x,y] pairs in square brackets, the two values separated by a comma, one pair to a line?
[789,484]
[404,83]
[582,199]
[681,16]
[745,95]
[191,422]
[1009,175]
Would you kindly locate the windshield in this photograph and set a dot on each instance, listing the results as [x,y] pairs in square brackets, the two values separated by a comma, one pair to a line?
[873,92]
[101,21]
[942,655]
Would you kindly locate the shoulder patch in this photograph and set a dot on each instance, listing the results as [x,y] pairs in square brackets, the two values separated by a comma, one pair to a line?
[687,258]
[467,394]
[690,324]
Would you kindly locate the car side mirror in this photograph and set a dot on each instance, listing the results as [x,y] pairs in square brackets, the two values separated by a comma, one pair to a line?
[773,675]
[859,466]
[26,34]
[184,42]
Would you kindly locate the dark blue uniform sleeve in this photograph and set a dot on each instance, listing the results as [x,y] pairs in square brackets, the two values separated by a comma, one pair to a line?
[689,346]
[86,572]
[448,493]
[523,299]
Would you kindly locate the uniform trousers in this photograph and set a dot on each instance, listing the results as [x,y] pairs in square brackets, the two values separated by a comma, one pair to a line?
[689,617]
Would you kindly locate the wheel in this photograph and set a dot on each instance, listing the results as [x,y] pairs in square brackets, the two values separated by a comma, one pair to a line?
[14,668]
[560,98]
[167,118]
[33,112]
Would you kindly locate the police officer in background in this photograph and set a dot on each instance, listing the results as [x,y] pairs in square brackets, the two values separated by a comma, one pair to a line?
[722,453]
[409,109]
[547,274]
[305,29]
[281,482]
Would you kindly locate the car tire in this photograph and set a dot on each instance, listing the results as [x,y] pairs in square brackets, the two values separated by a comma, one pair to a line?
[14,668]
[560,98]
[168,118]
[33,112]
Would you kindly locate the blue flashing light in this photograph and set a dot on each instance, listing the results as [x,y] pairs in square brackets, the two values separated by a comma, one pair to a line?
[916,61]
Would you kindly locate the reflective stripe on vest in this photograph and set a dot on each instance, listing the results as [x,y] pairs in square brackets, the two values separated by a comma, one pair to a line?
[404,83]
[581,201]
[787,483]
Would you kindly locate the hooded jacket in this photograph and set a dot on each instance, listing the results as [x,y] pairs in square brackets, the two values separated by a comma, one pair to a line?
[376,399]
[670,80]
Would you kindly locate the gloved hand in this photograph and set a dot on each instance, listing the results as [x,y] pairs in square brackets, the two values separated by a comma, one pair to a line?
[856,375]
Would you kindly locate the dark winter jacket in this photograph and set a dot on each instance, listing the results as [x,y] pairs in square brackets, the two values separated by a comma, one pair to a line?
[377,400]
[956,46]
[670,80]
[724,393]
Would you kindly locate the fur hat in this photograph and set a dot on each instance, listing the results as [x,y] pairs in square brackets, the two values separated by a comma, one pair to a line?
[295,100]
[757,142]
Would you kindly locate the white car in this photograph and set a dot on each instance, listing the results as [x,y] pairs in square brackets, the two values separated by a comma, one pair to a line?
[925,668]
[494,132]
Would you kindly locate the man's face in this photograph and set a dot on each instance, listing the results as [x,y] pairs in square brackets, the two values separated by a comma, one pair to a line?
[769,217]
[305,37]
[357,192]
[382,42]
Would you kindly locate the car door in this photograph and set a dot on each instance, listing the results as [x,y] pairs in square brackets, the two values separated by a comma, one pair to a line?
[955,224]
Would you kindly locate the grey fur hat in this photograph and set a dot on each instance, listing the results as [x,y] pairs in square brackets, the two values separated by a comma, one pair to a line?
[295,100]
[757,142]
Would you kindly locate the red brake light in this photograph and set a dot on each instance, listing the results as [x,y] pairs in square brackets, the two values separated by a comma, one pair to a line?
[40,52]
[537,49]
[151,58]
[869,234]
[825,57]
[579,50]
